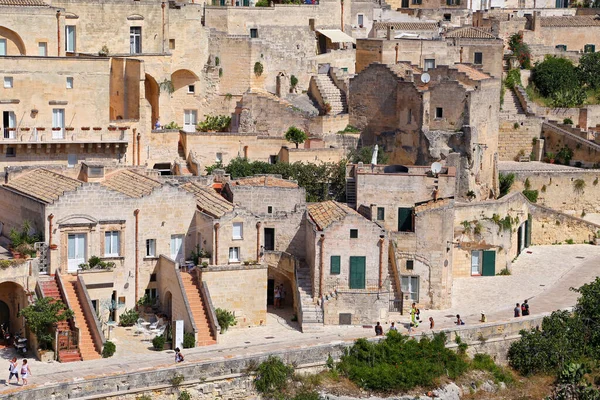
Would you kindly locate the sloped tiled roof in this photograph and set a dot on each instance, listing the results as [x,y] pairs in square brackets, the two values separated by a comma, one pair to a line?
[265,180]
[43,184]
[407,26]
[469,32]
[208,200]
[23,3]
[570,21]
[471,72]
[130,183]
[327,212]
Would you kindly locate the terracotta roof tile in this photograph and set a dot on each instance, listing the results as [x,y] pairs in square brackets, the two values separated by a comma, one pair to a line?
[265,180]
[471,72]
[130,183]
[569,21]
[43,184]
[470,32]
[327,212]
[407,26]
[208,200]
[23,3]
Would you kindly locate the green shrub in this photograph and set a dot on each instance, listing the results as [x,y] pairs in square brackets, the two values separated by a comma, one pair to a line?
[504,271]
[158,342]
[262,3]
[579,186]
[144,397]
[216,123]
[513,78]
[184,395]
[172,125]
[225,318]
[109,349]
[177,380]
[293,81]
[41,316]
[506,182]
[532,195]
[304,394]
[568,121]
[188,340]
[258,68]
[398,363]
[272,376]
[484,362]
[558,79]
[569,241]
[129,318]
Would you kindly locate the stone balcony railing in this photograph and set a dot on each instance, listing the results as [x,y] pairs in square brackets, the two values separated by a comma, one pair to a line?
[65,135]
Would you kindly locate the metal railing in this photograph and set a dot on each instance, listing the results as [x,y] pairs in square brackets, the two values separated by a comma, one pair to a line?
[396,305]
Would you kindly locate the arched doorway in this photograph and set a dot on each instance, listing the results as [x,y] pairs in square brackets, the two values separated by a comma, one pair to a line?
[152,92]
[12,300]
[14,43]
[4,313]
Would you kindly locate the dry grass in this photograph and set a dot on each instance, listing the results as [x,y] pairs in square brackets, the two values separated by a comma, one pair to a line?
[530,388]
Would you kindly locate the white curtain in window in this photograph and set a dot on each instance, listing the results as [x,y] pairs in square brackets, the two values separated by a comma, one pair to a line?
[111,243]
[237,230]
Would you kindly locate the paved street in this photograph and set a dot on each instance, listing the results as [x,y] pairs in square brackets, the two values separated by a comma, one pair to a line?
[543,275]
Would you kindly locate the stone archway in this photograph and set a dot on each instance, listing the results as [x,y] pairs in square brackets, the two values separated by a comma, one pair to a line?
[152,93]
[12,300]
[4,313]
[182,78]
[14,41]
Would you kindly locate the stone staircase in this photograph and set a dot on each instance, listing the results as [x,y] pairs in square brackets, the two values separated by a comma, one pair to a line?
[86,342]
[511,108]
[49,288]
[182,161]
[331,94]
[312,313]
[199,309]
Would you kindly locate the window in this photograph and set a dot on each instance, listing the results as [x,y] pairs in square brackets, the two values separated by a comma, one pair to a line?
[234,254]
[177,248]
[335,265]
[2,47]
[269,209]
[410,264]
[439,113]
[409,119]
[272,159]
[111,244]
[478,58]
[380,213]
[410,287]
[453,2]
[150,247]
[405,219]
[483,262]
[219,157]
[70,82]
[172,44]
[561,47]
[429,63]
[237,230]
[70,38]
[42,49]
[135,39]
[11,152]
[190,119]
[8,82]
[9,120]
[71,160]
[253,33]
[150,293]
[417,2]
[121,301]
[353,233]
[448,17]
[589,48]
[58,123]
[76,251]
[191,89]
[360,20]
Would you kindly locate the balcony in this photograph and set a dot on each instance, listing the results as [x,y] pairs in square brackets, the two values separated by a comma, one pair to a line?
[42,135]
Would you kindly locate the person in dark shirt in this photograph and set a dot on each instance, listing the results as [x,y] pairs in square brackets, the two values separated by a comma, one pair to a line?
[378,330]
[517,311]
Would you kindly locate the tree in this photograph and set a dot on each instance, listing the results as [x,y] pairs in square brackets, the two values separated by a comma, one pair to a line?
[520,50]
[295,135]
[41,317]
[589,70]
[558,79]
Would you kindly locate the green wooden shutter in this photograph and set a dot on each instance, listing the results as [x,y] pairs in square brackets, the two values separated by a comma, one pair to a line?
[528,231]
[405,219]
[357,272]
[335,265]
[489,263]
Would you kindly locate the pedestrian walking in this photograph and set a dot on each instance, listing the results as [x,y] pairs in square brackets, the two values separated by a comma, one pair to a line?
[431,323]
[459,321]
[483,317]
[413,315]
[517,310]
[378,330]
[178,356]
[25,372]
[13,371]
[277,297]
[525,308]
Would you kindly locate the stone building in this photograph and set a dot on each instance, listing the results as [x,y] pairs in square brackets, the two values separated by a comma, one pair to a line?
[420,120]
[347,257]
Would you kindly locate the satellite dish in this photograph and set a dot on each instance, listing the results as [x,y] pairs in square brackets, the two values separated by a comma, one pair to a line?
[520,14]
[425,78]
[436,167]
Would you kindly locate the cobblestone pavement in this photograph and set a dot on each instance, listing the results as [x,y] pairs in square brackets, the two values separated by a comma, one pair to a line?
[543,274]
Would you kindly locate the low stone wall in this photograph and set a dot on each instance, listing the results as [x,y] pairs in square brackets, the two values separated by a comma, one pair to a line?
[552,227]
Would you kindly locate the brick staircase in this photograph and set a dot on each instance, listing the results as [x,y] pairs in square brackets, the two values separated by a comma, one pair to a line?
[50,288]
[331,94]
[312,314]
[199,309]
[86,343]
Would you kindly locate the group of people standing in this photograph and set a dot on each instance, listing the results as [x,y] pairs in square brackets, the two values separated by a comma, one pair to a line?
[14,369]
[522,309]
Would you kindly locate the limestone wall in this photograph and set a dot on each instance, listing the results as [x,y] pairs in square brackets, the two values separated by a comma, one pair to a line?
[14,209]
[365,308]
[584,152]
[313,156]
[23,41]
[240,289]
[514,141]
[574,37]
[551,227]
[159,147]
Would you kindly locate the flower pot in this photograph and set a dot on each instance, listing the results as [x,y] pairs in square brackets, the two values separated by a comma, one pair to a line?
[69,129]
[123,128]
[56,129]
[16,254]
[97,128]
[25,129]
[85,128]
[112,128]
[41,129]
[53,247]
[11,129]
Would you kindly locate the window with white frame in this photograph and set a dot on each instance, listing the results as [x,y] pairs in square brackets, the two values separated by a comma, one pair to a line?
[8,82]
[234,254]
[135,39]
[111,244]
[219,157]
[69,82]
[237,230]
[410,287]
[2,47]
[42,49]
[70,40]
[429,64]
[191,89]
[360,20]
[150,247]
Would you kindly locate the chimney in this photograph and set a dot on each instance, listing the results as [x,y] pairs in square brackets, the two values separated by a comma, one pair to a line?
[390,32]
[537,21]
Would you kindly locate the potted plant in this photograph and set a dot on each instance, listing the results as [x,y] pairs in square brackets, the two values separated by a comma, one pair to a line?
[123,128]
[550,157]
[112,128]
[225,319]
[26,129]
[53,247]
[22,241]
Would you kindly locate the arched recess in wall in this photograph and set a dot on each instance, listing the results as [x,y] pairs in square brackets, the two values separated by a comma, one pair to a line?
[152,92]
[183,78]
[13,37]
